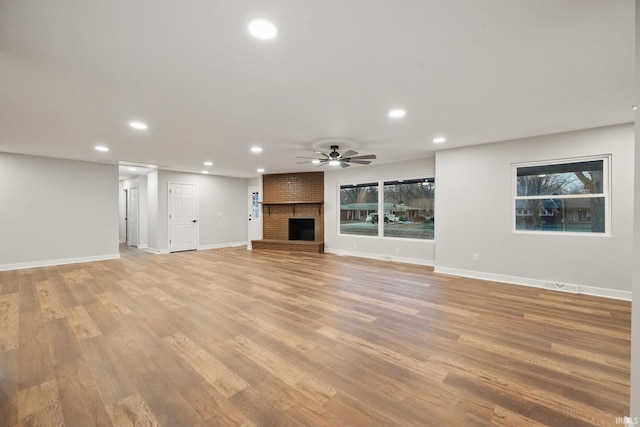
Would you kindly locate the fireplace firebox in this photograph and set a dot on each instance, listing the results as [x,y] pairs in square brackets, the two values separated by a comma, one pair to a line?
[302,229]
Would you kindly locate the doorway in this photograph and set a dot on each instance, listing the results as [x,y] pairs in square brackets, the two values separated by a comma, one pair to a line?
[255,219]
[124,203]
[132,217]
[183,217]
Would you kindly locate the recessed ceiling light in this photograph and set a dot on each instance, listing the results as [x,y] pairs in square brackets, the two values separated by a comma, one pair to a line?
[204,172]
[334,163]
[133,169]
[397,113]
[208,163]
[262,29]
[102,148]
[260,170]
[316,161]
[138,125]
[634,107]
[439,139]
[151,166]
[256,149]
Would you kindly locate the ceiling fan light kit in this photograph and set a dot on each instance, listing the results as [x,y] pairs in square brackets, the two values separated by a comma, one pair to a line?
[334,158]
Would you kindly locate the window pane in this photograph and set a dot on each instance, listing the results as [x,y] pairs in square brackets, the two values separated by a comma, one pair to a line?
[408,208]
[359,209]
[255,204]
[565,178]
[576,215]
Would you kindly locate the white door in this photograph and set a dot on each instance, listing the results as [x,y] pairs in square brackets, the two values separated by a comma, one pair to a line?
[133,216]
[255,220]
[183,217]
[124,202]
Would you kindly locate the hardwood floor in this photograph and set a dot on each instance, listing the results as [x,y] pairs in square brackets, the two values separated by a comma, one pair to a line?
[232,337]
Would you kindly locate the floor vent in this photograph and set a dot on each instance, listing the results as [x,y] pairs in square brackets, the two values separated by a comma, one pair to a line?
[554,286]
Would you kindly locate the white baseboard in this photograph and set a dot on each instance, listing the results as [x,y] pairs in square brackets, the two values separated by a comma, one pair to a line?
[221,245]
[524,281]
[60,261]
[142,246]
[405,260]
[201,247]
[157,251]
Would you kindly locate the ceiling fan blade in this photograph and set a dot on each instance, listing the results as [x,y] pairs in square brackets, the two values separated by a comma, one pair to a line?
[299,163]
[312,158]
[323,154]
[365,157]
[344,164]
[360,162]
[349,154]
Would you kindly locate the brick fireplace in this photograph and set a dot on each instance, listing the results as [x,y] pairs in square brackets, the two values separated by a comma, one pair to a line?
[293,196]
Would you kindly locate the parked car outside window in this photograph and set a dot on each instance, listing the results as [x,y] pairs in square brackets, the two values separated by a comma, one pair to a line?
[373,218]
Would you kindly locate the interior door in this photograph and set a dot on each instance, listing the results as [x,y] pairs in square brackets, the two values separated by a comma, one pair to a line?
[255,220]
[124,207]
[183,217]
[133,216]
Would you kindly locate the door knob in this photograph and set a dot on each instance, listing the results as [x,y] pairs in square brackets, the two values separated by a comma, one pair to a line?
[195,220]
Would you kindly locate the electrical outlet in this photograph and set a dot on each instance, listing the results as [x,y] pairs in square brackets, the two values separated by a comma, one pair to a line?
[397,251]
[476,257]
[355,246]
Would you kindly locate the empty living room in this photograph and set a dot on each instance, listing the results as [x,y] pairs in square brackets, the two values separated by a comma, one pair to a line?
[290,213]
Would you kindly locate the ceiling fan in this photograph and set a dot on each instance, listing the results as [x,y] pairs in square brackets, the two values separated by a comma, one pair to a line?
[334,158]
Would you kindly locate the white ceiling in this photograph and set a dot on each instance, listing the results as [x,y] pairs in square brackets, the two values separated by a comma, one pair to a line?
[73,73]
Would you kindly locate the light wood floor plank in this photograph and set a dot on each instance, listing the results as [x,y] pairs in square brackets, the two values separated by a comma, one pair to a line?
[9,322]
[214,372]
[284,370]
[132,411]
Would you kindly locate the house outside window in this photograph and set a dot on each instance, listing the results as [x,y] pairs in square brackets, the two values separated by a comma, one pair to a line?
[409,208]
[358,209]
[404,210]
[570,196]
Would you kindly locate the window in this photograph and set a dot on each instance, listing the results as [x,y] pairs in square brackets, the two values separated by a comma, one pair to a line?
[408,208]
[405,209]
[562,197]
[359,209]
[255,204]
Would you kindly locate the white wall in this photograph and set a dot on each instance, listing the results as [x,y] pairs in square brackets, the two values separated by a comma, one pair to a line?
[152,211]
[56,211]
[408,250]
[474,215]
[222,209]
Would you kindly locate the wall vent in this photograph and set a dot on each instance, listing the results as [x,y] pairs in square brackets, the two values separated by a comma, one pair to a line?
[555,286]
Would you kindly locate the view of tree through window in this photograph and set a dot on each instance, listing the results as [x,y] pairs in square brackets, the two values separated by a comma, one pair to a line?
[407,209]
[358,209]
[561,197]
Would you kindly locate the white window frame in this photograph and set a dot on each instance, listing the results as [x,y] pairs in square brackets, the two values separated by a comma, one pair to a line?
[339,212]
[380,183]
[606,194]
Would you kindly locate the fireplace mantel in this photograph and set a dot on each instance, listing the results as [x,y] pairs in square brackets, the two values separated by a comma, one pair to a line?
[293,205]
